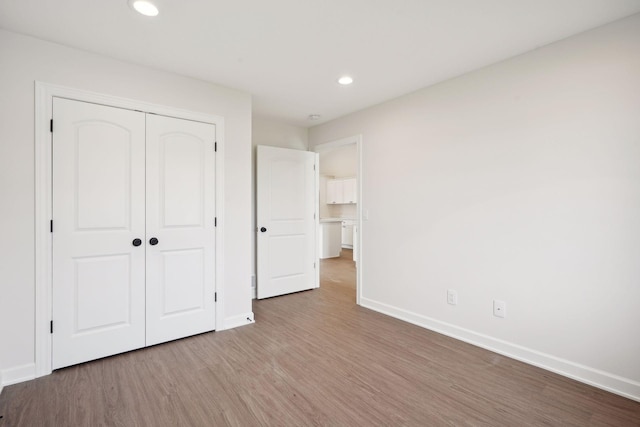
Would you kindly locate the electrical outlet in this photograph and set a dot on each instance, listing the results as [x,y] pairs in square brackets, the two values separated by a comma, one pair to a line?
[499,308]
[452,297]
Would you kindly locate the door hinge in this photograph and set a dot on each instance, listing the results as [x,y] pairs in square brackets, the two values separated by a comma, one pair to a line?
[51,326]
[51,226]
[51,126]
[314,166]
[215,146]
[314,265]
[215,221]
[215,297]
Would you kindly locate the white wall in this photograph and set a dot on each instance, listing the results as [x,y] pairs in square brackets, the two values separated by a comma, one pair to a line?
[273,133]
[25,60]
[341,162]
[278,134]
[519,182]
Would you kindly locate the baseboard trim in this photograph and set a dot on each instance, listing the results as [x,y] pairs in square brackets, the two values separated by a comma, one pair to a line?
[18,374]
[240,320]
[585,374]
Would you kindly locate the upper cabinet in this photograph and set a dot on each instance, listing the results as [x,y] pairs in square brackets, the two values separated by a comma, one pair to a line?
[349,191]
[342,191]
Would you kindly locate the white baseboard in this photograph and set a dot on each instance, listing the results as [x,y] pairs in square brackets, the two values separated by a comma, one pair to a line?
[17,374]
[235,321]
[604,380]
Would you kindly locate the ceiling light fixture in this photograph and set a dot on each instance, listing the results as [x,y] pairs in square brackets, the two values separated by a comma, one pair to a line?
[144,7]
[314,116]
[345,80]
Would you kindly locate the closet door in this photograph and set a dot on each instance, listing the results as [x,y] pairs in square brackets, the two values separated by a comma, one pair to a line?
[180,228]
[98,217]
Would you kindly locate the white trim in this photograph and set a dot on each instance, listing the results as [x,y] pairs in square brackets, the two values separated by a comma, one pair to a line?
[219,284]
[316,215]
[355,139]
[604,380]
[240,320]
[44,94]
[17,374]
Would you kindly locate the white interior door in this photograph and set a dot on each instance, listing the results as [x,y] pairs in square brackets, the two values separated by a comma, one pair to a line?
[180,217]
[98,212]
[286,224]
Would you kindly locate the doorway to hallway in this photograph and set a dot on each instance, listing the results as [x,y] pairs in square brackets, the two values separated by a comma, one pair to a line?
[340,213]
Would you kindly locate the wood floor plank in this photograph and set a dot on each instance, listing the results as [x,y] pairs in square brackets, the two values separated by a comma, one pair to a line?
[312,359]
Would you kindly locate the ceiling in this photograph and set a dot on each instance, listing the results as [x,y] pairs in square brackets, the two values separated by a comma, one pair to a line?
[289,53]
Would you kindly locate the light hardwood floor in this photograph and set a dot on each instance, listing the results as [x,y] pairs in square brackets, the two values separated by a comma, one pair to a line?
[312,358]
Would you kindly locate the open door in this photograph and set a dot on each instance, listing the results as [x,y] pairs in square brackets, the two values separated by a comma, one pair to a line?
[287,203]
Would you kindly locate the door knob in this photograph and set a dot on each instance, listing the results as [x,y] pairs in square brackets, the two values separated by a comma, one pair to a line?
[153,241]
[136,242]
[263,229]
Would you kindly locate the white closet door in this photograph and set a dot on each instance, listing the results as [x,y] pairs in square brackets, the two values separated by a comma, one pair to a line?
[180,216]
[98,211]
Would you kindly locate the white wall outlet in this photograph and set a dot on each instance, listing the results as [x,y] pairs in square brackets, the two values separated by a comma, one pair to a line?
[499,308]
[452,297]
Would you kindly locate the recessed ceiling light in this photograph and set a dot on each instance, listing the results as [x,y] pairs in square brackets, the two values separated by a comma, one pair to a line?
[345,80]
[314,116]
[144,7]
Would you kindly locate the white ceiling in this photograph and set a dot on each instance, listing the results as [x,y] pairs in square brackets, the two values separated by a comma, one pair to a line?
[289,53]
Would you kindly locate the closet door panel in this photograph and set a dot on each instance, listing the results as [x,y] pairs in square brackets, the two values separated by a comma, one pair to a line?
[180,215]
[98,210]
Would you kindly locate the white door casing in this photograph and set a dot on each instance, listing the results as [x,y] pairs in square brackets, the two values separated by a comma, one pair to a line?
[180,215]
[286,221]
[102,303]
[98,211]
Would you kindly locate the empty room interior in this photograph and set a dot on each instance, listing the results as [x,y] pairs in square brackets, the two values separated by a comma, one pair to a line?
[295,213]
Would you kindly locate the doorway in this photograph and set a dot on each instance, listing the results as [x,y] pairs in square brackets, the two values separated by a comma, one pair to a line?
[340,230]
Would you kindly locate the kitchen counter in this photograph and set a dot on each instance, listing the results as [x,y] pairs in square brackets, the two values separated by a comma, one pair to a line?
[335,219]
[324,220]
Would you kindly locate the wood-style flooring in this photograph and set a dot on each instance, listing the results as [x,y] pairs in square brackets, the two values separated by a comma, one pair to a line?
[312,358]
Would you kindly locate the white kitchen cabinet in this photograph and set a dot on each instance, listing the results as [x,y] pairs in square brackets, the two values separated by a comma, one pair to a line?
[347,233]
[342,191]
[349,191]
[334,191]
[330,236]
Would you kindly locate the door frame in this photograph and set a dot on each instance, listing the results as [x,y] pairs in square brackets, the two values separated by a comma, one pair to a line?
[44,94]
[338,143]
